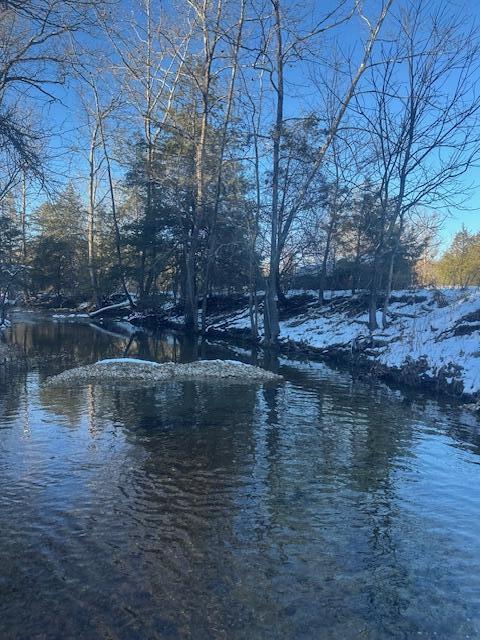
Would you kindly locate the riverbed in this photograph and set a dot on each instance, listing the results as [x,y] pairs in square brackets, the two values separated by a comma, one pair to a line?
[325,507]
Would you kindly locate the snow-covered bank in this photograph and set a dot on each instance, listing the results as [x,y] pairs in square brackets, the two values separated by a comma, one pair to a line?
[433,337]
[153,372]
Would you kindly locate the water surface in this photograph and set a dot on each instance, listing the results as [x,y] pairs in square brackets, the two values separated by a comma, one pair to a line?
[322,508]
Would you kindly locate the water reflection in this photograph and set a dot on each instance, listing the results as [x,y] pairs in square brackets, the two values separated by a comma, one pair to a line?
[321,508]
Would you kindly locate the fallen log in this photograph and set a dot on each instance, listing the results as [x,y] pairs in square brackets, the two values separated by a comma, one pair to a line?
[111,309]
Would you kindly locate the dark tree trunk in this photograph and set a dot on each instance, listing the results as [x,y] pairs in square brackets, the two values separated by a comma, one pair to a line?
[281,297]
[191,299]
[374,287]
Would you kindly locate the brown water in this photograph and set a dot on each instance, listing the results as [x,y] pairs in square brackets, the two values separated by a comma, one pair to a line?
[321,508]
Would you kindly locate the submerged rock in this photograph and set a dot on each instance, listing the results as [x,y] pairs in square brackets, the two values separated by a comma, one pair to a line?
[146,371]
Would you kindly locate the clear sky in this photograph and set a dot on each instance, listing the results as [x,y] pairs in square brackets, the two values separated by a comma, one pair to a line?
[469,216]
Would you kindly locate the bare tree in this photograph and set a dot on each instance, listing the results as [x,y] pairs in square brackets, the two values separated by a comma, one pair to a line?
[224,130]
[422,115]
[151,56]
[206,23]
[98,113]
[275,53]
[34,57]
[253,107]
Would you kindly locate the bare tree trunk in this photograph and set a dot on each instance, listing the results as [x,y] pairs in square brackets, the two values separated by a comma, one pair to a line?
[372,310]
[191,300]
[326,254]
[23,223]
[92,266]
[253,299]
[252,263]
[388,289]
[149,231]
[191,318]
[255,220]
[206,278]
[389,285]
[191,310]
[271,323]
[24,217]
[112,200]
[218,185]
[356,274]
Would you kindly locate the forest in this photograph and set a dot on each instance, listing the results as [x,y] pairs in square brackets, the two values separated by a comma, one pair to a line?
[188,150]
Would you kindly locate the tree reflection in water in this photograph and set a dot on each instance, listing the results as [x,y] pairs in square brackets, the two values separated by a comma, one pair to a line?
[323,507]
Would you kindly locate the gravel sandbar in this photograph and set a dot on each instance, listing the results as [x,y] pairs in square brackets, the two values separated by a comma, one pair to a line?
[145,371]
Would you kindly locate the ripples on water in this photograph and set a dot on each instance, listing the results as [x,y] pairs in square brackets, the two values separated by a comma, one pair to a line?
[320,508]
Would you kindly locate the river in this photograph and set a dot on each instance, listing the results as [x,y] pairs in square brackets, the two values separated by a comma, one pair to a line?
[321,508]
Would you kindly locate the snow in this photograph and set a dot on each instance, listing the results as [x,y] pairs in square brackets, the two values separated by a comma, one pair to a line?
[418,330]
[62,316]
[422,332]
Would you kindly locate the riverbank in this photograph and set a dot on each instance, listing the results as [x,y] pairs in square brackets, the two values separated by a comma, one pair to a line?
[432,339]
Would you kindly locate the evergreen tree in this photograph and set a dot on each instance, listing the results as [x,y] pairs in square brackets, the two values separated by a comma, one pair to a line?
[460,264]
[59,251]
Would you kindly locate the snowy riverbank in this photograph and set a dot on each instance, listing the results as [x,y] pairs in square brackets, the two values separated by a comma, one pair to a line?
[433,337]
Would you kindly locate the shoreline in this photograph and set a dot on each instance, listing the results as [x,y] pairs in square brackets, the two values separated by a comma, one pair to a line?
[403,377]
[432,342]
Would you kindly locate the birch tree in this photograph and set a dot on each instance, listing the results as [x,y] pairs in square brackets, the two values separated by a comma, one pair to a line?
[149,56]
